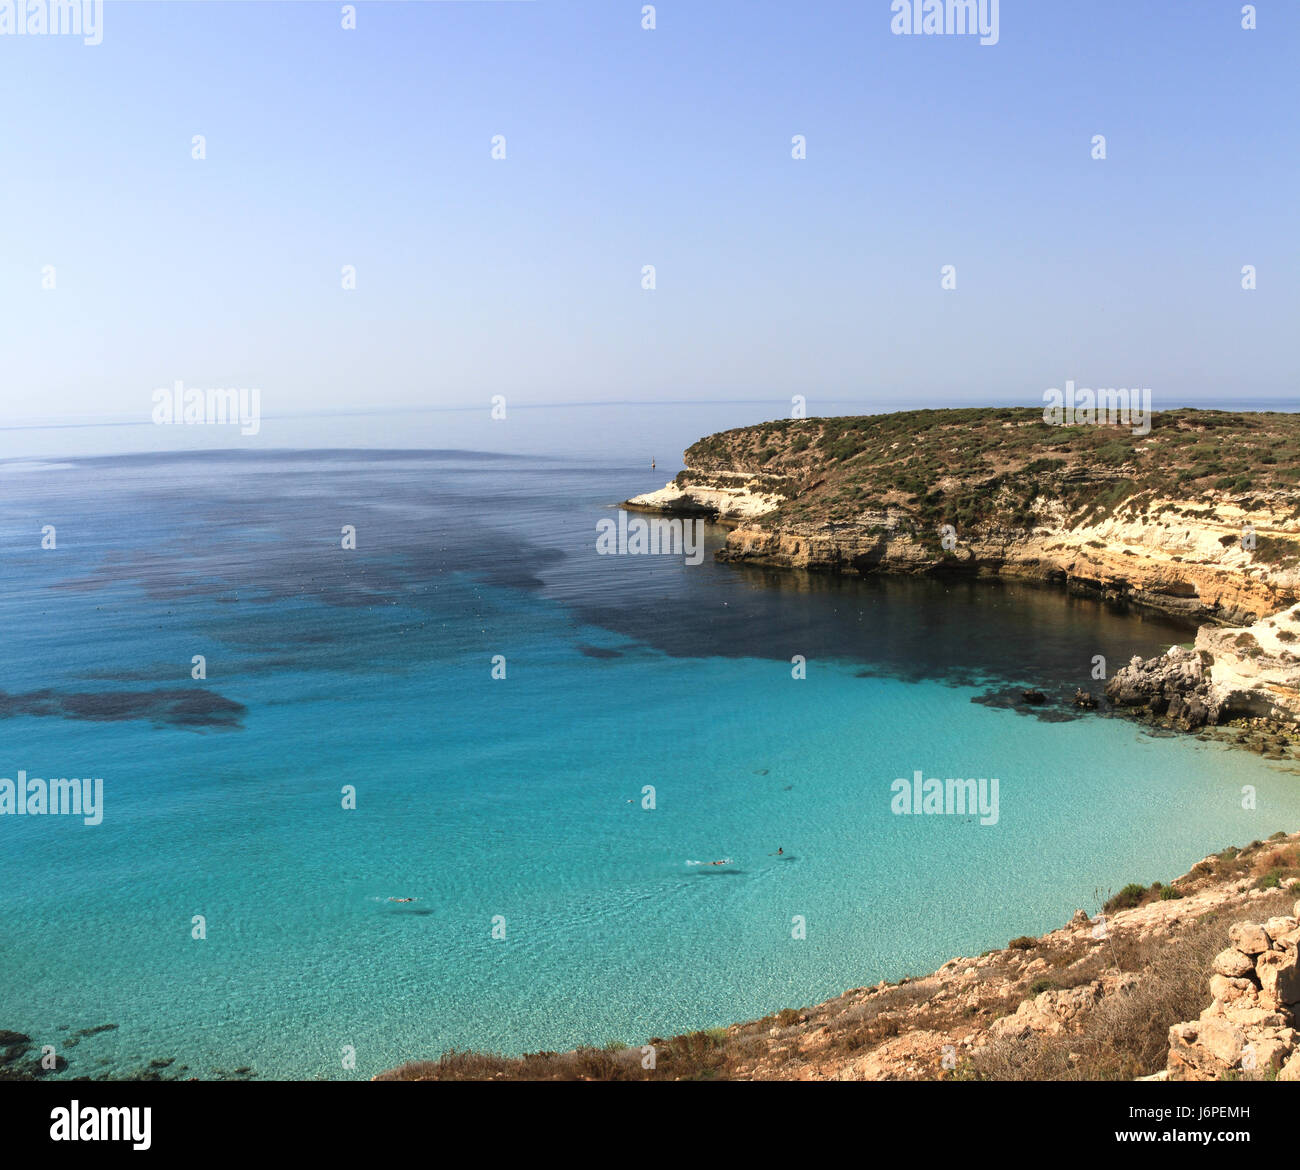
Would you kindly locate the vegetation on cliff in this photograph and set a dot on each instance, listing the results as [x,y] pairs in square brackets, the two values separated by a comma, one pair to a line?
[980,468]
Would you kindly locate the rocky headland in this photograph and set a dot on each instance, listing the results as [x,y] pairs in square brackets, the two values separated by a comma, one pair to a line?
[1199,519]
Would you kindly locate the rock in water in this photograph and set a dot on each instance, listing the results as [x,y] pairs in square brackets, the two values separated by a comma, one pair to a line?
[1174,684]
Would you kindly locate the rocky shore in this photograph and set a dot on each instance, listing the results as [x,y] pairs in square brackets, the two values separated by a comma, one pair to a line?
[1250,674]
[1193,980]
[1200,519]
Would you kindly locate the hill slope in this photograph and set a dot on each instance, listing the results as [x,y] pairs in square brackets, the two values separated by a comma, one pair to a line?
[1199,518]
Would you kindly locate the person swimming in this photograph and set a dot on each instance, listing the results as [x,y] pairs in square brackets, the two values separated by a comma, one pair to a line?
[401,899]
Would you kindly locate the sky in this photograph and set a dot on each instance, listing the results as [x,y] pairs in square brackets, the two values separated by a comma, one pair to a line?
[625,147]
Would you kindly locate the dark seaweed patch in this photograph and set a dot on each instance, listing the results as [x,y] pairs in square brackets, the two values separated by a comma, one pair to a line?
[171,708]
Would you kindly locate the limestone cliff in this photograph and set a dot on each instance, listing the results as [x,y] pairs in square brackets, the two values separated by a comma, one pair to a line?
[1251,673]
[1199,518]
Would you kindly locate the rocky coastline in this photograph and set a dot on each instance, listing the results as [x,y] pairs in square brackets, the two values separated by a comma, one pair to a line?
[1161,522]
[1244,677]
[1196,979]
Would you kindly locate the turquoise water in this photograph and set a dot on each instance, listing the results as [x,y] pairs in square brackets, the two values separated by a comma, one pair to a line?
[519,797]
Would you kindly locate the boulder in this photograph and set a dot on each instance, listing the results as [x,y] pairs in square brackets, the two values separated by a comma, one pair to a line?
[1267,1053]
[1049,1013]
[1279,979]
[1174,685]
[1279,930]
[1202,1049]
[1249,1013]
[1193,714]
[1249,938]
[1224,988]
[1233,963]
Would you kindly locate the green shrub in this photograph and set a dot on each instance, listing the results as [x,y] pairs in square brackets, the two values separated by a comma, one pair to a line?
[1130,896]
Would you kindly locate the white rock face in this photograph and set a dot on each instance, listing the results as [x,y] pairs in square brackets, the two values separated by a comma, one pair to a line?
[731,496]
[1256,669]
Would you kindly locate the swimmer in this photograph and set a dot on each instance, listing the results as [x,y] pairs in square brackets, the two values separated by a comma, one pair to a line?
[401,899]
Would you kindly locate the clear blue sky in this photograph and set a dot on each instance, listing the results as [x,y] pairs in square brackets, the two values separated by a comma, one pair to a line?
[625,147]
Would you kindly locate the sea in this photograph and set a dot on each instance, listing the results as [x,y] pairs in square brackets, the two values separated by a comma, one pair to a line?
[395,761]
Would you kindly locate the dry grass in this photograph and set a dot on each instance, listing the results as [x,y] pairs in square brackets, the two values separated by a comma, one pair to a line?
[694,1056]
[1127,1034]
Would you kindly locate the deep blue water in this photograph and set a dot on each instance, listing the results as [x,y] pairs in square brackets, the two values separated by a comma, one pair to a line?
[519,799]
